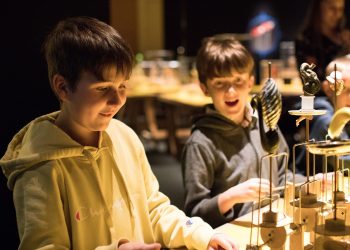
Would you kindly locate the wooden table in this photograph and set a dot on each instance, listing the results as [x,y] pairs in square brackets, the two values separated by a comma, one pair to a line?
[143,94]
[295,88]
[188,97]
[240,229]
[177,98]
[242,232]
[189,94]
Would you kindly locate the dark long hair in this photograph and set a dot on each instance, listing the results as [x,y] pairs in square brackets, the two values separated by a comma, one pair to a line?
[312,21]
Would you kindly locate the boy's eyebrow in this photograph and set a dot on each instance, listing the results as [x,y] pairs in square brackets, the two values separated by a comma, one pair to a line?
[114,79]
[215,79]
[226,79]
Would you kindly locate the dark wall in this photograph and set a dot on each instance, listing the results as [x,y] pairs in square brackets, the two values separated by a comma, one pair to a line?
[25,91]
[187,22]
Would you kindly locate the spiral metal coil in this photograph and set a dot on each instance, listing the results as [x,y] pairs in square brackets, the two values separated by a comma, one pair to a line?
[271,102]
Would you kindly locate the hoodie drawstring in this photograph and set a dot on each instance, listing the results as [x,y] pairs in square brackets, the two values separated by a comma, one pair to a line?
[91,158]
[131,206]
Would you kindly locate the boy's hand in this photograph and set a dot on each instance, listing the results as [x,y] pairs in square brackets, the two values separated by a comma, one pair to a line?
[327,178]
[222,241]
[249,190]
[244,192]
[139,246]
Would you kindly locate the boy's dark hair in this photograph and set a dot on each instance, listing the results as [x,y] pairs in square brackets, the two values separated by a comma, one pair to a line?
[80,44]
[220,55]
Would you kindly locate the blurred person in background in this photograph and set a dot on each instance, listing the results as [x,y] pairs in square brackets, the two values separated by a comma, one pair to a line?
[323,36]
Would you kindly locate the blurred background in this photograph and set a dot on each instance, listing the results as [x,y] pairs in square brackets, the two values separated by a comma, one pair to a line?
[165,36]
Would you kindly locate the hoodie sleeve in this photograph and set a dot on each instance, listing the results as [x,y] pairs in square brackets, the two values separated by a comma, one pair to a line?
[198,172]
[40,216]
[171,226]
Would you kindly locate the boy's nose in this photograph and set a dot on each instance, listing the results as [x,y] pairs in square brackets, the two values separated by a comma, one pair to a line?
[114,98]
[231,89]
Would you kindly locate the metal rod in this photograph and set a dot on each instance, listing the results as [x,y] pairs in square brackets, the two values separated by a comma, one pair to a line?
[307,154]
[336,188]
[270,183]
[335,88]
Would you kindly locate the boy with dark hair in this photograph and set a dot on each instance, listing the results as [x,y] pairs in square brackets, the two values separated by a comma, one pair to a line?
[80,178]
[221,158]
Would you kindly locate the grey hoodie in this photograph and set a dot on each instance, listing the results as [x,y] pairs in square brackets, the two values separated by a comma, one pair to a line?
[221,154]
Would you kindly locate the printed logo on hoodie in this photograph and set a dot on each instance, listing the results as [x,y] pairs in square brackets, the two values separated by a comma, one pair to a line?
[84,213]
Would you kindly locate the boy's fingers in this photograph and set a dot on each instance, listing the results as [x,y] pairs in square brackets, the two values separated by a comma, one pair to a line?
[152,246]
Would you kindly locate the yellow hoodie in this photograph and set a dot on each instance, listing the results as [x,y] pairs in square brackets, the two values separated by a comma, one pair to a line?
[68,196]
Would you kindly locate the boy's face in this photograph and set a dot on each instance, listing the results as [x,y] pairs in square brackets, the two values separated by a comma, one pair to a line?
[230,94]
[343,100]
[92,105]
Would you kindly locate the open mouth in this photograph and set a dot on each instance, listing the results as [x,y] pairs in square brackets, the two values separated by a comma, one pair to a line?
[231,104]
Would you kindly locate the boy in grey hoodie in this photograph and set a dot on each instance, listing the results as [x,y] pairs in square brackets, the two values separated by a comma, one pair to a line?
[221,158]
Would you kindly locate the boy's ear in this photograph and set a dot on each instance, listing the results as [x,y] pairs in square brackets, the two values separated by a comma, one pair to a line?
[251,82]
[204,88]
[59,85]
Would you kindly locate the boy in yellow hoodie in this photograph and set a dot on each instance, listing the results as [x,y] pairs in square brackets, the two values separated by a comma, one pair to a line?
[80,178]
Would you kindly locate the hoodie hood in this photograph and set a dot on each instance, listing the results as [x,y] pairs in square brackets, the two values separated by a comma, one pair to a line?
[213,120]
[40,140]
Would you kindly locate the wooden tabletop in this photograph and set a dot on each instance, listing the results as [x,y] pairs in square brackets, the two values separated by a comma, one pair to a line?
[189,94]
[241,230]
[294,88]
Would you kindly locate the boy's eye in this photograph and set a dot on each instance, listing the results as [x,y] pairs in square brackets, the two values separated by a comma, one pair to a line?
[239,81]
[102,88]
[123,86]
[219,85]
